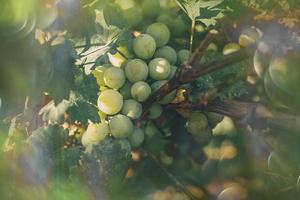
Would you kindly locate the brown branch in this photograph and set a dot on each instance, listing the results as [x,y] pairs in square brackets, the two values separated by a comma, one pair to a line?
[247,112]
[188,74]
[203,45]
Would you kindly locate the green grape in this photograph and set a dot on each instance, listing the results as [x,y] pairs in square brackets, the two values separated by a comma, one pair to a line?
[167,53]
[248,36]
[284,71]
[120,126]
[98,72]
[212,47]
[179,26]
[155,111]
[144,46]
[125,144]
[151,8]
[165,19]
[183,56]
[136,70]
[166,99]
[165,159]
[159,68]
[214,118]
[150,130]
[204,137]
[160,32]
[172,72]
[140,91]
[230,48]
[125,91]
[94,134]
[196,123]
[110,102]
[114,77]
[137,137]
[133,15]
[132,108]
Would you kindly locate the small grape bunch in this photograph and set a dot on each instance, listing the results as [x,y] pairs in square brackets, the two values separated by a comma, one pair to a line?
[124,87]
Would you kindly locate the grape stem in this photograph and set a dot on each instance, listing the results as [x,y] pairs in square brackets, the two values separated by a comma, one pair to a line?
[188,73]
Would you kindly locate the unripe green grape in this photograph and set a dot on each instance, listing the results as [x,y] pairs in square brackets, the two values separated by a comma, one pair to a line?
[166,99]
[120,126]
[214,118]
[165,159]
[133,15]
[204,136]
[137,137]
[110,102]
[212,47]
[125,145]
[154,111]
[248,36]
[151,8]
[150,129]
[144,46]
[231,48]
[125,91]
[172,72]
[196,123]
[165,19]
[167,53]
[179,27]
[160,32]
[132,109]
[183,56]
[98,72]
[136,70]
[94,134]
[140,91]
[159,69]
[114,77]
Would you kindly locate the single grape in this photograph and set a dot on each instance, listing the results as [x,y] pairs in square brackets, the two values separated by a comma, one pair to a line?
[166,159]
[179,26]
[155,111]
[166,99]
[231,48]
[144,46]
[183,56]
[114,77]
[165,19]
[136,70]
[150,129]
[120,126]
[132,108]
[248,36]
[196,123]
[94,134]
[133,15]
[212,47]
[98,73]
[167,53]
[160,32]
[159,68]
[172,72]
[125,145]
[125,91]
[151,8]
[110,102]
[214,118]
[137,137]
[140,91]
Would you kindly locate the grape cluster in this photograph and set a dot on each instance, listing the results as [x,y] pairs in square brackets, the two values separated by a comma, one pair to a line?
[139,67]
